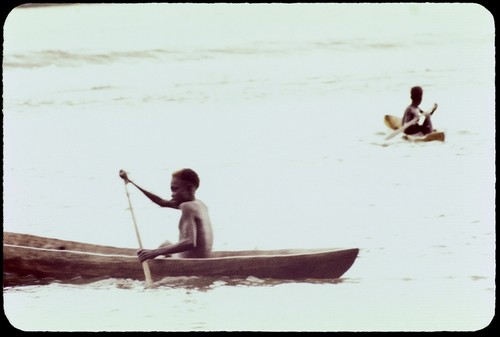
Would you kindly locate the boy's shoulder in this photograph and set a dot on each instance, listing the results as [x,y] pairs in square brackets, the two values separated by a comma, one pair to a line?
[412,110]
[192,206]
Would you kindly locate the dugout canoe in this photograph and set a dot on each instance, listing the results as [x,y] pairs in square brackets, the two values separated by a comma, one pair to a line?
[394,123]
[41,258]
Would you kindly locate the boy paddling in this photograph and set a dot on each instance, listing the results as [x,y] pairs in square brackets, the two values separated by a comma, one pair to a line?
[424,124]
[195,228]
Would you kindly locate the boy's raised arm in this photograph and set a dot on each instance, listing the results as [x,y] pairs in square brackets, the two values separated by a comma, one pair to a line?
[153,197]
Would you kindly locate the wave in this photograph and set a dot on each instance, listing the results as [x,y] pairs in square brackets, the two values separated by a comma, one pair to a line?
[202,283]
[46,58]
[65,58]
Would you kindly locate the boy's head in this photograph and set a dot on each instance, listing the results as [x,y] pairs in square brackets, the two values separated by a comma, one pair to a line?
[189,176]
[184,184]
[416,94]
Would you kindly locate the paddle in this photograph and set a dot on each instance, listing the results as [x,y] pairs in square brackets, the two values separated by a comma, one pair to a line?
[145,265]
[412,122]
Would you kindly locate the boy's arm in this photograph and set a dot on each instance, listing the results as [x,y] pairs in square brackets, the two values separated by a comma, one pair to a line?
[430,112]
[179,247]
[409,115]
[154,198]
[186,242]
[425,115]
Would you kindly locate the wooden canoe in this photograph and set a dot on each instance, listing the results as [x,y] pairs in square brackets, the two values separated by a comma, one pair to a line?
[42,258]
[394,123]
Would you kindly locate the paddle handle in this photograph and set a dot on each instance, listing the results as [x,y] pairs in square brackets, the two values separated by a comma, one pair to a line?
[145,265]
[410,123]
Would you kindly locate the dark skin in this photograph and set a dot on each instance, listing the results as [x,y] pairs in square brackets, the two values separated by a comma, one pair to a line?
[425,126]
[154,198]
[195,229]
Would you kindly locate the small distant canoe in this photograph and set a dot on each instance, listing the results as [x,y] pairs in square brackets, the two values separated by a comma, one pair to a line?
[40,257]
[394,123]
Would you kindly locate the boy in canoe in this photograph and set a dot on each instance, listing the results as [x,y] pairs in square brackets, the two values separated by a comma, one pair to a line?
[424,126]
[195,229]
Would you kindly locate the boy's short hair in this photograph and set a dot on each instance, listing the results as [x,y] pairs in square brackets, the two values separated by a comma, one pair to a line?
[189,176]
[416,92]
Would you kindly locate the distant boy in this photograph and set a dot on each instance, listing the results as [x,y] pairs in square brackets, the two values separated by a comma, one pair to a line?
[424,125]
[195,229]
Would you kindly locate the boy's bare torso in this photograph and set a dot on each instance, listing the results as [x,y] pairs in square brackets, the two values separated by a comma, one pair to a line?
[195,224]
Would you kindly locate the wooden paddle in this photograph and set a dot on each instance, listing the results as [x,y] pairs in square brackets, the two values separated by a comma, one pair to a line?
[145,265]
[410,123]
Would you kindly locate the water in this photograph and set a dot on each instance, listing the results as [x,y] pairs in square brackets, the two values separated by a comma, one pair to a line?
[279,109]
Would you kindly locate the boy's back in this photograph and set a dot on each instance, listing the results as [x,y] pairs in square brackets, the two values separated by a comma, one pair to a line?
[196,213]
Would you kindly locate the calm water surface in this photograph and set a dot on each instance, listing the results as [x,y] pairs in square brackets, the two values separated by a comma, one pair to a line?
[279,109]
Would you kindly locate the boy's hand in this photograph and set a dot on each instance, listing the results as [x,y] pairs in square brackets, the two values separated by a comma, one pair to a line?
[145,254]
[123,175]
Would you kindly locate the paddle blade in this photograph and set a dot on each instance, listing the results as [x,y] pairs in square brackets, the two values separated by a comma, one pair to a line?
[147,274]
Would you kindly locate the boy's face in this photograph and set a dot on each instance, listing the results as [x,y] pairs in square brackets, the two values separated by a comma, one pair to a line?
[416,96]
[417,99]
[181,190]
